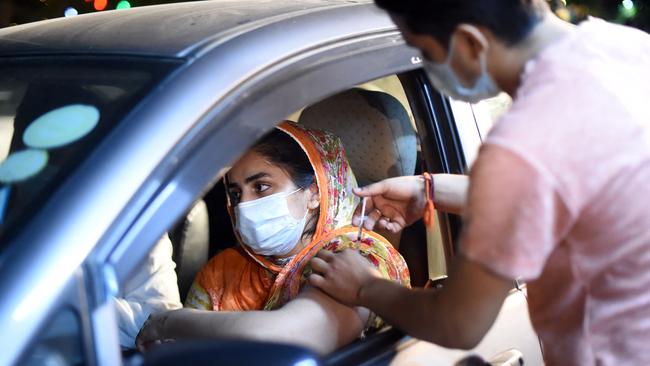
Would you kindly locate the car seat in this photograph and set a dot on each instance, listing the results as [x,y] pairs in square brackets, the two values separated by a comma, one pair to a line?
[380,142]
[376,132]
[190,239]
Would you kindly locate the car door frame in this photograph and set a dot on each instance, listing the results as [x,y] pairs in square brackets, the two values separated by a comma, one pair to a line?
[250,110]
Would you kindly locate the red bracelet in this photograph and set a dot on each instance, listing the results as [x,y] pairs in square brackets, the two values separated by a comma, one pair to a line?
[429,215]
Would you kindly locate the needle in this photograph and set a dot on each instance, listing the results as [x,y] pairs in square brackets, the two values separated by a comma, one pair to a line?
[363,217]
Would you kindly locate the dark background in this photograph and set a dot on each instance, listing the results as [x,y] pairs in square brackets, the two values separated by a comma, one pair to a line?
[14,12]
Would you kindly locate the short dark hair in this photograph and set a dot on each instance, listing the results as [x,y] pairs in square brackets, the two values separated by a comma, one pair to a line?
[283,151]
[509,20]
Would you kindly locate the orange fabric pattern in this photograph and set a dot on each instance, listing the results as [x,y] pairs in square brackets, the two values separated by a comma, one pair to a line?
[235,282]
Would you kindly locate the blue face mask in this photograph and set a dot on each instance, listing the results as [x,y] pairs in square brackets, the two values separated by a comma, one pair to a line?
[445,80]
[267,226]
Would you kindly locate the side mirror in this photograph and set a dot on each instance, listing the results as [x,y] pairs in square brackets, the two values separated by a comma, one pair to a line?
[227,352]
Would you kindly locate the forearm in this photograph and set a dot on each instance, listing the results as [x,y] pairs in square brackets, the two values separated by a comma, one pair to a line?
[190,323]
[456,316]
[328,323]
[419,315]
[450,192]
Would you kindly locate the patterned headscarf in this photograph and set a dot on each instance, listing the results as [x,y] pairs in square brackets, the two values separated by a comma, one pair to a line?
[237,279]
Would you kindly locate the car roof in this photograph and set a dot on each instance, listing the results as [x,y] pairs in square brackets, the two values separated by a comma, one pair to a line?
[171,30]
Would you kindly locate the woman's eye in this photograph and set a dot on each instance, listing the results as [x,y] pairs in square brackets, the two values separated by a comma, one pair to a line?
[234,196]
[261,187]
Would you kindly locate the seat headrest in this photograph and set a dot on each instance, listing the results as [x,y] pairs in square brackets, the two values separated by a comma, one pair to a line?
[375,130]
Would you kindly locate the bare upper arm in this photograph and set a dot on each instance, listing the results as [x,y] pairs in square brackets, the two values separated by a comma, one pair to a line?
[320,322]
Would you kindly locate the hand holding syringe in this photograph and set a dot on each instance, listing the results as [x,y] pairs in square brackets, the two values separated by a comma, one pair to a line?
[363,218]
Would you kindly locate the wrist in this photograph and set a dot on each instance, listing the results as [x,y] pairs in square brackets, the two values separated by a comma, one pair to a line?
[429,194]
[366,292]
[166,329]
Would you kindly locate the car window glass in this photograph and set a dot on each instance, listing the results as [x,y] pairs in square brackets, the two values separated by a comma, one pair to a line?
[467,128]
[479,117]
[60,343]
[488,112]
[51,115]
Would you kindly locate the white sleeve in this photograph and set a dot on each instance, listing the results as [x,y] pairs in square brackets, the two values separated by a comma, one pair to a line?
[152,288]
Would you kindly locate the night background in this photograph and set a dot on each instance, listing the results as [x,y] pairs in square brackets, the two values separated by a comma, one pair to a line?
[12,12]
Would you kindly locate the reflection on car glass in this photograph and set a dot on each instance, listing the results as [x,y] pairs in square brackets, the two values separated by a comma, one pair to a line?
[61,126]
[4,198]
[22,165]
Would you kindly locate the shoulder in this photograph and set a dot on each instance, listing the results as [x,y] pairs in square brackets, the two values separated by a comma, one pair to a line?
[375,248]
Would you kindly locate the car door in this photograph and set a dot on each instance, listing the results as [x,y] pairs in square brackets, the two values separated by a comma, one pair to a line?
[283,79]
[280,80]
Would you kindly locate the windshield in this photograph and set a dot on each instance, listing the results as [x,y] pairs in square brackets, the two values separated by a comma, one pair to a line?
[53,112]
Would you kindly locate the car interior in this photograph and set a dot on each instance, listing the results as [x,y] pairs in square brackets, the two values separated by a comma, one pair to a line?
[376,125]
[376,112]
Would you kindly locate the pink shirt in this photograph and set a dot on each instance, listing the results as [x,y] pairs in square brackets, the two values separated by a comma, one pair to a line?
[580,234]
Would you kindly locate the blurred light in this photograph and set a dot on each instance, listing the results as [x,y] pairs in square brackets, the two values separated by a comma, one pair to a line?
[564,14]
[70,12]
[627,9]
[123,5]
[307,362]
[100,5]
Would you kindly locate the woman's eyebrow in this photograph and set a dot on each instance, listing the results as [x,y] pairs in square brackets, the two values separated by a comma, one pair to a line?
[256,176]
[249,179]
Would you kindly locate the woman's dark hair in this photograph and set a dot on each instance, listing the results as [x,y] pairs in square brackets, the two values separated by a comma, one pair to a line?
[509,20]
[283,151]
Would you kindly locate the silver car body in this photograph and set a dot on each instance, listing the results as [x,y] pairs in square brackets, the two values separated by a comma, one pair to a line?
[243,65]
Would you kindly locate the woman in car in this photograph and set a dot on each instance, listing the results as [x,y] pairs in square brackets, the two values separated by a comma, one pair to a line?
[288,197]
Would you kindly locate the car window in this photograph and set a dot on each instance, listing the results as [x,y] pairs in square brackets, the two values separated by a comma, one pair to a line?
[63,338]
[488,112]
[474,121]
[60,343]
[52,114]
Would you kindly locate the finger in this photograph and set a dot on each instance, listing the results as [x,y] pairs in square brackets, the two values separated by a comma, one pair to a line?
[317,280]
[394,227]
[370,190]
[319,265]
[383,222]
[371,219]
[325,255]
[393,214]
[142,345]
[356,218]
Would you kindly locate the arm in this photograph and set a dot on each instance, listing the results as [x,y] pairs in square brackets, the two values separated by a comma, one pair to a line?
[151,289]
[507,233]
[450,192]
[328,323]
[456,316]
[395,203]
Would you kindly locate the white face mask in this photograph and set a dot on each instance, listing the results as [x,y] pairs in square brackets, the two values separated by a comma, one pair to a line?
[267,226]
[445,80]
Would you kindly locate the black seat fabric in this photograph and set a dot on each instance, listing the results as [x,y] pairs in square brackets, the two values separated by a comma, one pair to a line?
[191,240]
